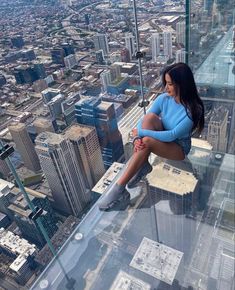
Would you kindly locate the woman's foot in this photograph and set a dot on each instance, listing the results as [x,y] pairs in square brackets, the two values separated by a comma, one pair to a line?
[115,196]
[142,172]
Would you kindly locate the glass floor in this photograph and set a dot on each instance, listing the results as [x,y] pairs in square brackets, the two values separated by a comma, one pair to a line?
[176,233]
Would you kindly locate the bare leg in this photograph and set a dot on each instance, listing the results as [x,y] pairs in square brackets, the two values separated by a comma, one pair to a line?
[152,122]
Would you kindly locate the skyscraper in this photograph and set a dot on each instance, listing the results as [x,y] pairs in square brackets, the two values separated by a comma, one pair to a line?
[88,153]
[180,55]
[57,55]
[101,42]
[180,32]
[105,77]
[130,43]
[173,191]
[59,162]
[25,146]
[155,41]
[4,169]
[101,115]
[217,129]
[167,44]
[125,55]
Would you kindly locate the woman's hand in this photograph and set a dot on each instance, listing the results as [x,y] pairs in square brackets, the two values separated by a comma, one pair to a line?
[139,145]
[134,132]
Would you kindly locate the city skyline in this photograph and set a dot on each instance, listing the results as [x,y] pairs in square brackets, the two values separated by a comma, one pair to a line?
[70,95]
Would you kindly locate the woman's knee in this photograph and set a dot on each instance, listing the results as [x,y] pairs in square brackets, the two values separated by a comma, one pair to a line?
[152,121]
[147,141]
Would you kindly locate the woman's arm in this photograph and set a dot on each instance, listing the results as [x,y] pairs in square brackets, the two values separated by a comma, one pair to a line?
[182,129]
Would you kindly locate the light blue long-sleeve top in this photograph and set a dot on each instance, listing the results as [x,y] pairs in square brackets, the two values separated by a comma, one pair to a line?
[177,124]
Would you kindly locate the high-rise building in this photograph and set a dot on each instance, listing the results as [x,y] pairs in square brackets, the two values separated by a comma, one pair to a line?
[57,55]
[167,44]
[4,169]
[2,80]
[180,32]
[105,77]
[88,153]
[25,146]
[64,174]
[55,106]
[101,43]
[99,56]
[155,41]
[17,41]
[125,55]
[43,125]
[27,74]
[130,43]
[208,4]
[115,72]
[70,61]
[173,190]
[49,94]
[180,55]
[6,195]
[68,108]
[68,49]
[39,70]
[102,116]
[217,129]
[28,54]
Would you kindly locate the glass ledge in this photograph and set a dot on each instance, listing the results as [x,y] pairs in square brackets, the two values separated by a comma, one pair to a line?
[177,233]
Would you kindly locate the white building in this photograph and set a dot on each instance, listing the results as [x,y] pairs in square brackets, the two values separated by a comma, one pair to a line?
[155,41]
[105,77]
[130,43]
[167,44]
[21,249]
[180,55]
[180,32]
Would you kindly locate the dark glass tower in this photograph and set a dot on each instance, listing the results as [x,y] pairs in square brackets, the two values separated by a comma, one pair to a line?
[102,116]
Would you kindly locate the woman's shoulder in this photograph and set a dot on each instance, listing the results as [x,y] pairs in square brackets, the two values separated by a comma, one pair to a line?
[162,97]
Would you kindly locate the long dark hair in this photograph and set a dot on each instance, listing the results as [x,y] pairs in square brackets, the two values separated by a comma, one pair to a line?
[182,77]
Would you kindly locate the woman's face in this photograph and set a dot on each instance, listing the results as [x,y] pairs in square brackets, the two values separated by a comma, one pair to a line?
[170,87]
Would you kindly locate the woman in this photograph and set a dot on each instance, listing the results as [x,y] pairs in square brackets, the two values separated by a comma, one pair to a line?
[165,130]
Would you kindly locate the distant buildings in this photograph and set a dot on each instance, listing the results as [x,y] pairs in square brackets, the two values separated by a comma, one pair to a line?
[29,73]
[155,42]
[17,41]
[125,55]
[54,106]
[105,77]
[21,215]
[70,61]
[101,115]
[25,146]
[2,80]
[60,165]
[130,43]
[180,55]
[22,254]
[101,43]
[180,32]
[167,44]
